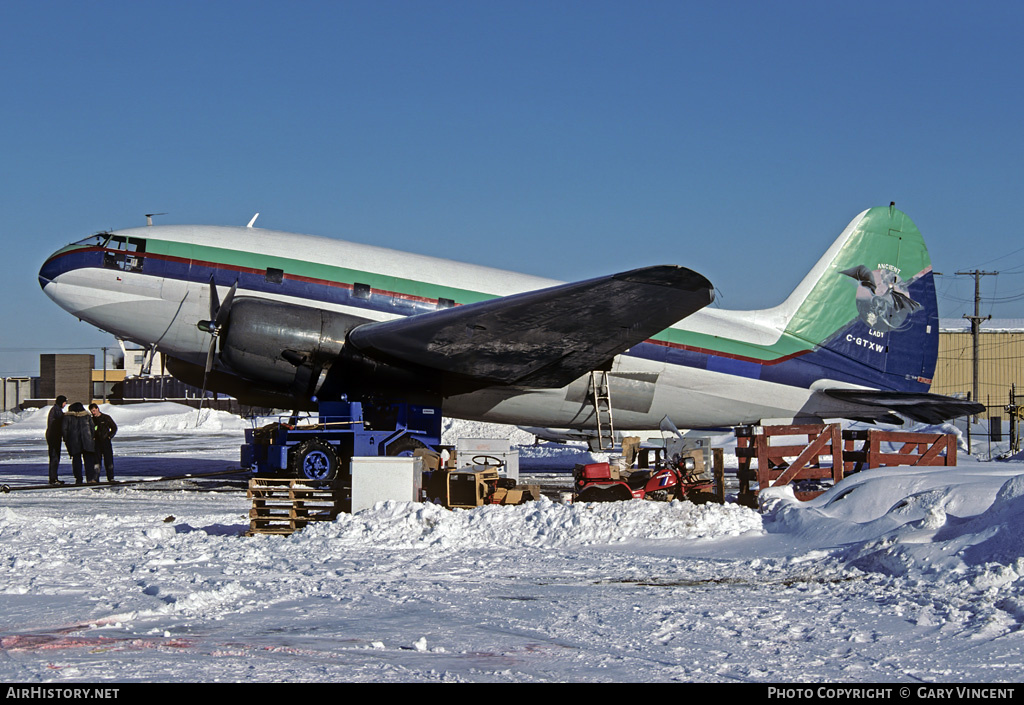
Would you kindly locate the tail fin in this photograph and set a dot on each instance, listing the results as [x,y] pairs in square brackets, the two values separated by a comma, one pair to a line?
[868,307]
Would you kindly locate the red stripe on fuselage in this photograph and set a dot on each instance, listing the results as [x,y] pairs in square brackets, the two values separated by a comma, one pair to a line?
[419,299]
[718,353]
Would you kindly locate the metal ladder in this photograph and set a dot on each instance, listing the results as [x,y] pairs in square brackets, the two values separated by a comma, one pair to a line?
[600,394]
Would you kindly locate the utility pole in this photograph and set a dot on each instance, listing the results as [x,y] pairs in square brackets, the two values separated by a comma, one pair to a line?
[1014,410]
[976,320]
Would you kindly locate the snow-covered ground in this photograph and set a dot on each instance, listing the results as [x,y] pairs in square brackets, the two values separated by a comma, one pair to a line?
[895,575]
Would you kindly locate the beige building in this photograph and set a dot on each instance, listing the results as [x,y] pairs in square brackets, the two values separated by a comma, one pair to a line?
[103,382]
[1000,360]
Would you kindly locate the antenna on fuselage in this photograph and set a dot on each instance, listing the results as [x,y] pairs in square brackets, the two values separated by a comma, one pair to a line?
[149,218]
[253,220]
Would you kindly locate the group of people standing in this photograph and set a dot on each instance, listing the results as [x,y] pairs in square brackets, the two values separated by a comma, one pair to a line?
[86,434]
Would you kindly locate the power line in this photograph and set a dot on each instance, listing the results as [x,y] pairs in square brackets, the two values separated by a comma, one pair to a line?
[1002,257]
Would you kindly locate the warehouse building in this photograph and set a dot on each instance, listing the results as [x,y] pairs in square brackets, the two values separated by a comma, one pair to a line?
[1000,360]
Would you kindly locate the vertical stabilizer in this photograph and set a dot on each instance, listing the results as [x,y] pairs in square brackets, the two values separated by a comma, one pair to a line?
[868,308]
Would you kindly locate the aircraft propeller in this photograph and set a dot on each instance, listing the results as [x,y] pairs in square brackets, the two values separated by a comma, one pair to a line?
[218,317]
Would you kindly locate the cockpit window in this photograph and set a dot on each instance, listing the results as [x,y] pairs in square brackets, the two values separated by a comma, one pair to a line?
[124,253]
[115,242]
[126,244]
[97,240]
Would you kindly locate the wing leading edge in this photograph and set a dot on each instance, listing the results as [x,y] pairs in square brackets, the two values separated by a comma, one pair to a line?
[544,338]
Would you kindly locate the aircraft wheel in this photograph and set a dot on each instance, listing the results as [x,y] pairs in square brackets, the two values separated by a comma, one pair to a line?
[315,460]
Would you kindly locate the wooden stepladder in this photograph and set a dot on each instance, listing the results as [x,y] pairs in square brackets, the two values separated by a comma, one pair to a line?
[601,396]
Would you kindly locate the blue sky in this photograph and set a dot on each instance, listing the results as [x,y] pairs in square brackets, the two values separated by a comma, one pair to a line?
[563,139]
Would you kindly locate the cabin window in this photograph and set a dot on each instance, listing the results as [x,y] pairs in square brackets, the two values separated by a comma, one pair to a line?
[361,291]
[274,275]
[445,303]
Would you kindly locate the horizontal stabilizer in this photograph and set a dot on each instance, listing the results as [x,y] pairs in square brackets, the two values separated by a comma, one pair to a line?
[544,338]
[922,407]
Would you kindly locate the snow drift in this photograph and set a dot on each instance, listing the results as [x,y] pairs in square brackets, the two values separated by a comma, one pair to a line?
[541,524]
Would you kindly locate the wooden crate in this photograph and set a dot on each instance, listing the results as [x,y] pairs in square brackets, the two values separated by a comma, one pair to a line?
[285,505]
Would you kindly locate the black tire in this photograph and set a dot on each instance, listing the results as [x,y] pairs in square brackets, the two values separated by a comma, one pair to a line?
[405,447]
[607,493]
[315,460]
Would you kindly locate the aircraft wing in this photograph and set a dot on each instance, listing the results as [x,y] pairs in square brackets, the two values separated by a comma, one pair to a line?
[925,408]
[544,338]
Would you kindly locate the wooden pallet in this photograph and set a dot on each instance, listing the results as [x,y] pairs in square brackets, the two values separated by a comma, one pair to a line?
[282,506]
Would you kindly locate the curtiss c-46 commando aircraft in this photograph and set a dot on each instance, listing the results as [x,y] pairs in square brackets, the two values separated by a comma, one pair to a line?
[285,320]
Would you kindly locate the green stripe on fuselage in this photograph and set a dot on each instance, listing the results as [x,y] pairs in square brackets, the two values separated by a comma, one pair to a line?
[313,270]
[883,237]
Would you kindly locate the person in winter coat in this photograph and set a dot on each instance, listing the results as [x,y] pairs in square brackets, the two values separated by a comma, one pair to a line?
[79,442]
[103,431]
[54,436]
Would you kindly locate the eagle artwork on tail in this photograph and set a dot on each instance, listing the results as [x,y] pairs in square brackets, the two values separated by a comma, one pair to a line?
[883,300]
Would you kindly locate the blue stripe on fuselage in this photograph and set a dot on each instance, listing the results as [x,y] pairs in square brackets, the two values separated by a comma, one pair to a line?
[801,370]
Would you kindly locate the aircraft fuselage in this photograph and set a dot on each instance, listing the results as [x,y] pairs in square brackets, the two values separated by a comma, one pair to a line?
[715,368]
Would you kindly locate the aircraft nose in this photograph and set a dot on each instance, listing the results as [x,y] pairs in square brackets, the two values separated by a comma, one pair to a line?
[49,271]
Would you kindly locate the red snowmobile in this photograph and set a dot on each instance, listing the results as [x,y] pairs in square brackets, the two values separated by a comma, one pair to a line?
[678,478]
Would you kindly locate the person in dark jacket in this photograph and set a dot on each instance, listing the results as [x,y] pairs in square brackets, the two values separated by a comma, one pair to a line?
[79,442]
[103,431]
[54,436]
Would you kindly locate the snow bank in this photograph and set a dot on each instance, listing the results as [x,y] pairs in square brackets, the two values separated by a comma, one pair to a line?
[452,429]
[1000,526]
[923,523]
[137,419]
[540,524]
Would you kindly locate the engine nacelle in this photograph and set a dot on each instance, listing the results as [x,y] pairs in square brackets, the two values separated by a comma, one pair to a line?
[283,345]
